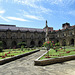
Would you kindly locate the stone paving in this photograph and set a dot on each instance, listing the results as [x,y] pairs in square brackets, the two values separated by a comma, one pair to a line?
[25,66]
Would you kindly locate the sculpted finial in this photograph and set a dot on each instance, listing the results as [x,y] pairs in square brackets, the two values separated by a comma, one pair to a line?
[46,22]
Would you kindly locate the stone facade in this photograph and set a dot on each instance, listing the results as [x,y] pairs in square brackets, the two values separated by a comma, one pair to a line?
[66,36]
[10,35]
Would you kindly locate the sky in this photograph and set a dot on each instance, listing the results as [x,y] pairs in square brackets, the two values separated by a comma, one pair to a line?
[34,13]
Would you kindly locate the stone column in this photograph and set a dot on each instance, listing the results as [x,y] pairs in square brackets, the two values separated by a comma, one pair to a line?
[9,43]
[67,42]
[28,42]
[46,36]
[60,42]
[36,42]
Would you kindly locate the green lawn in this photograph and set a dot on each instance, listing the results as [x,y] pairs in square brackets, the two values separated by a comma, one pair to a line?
[13,52]
[59,53]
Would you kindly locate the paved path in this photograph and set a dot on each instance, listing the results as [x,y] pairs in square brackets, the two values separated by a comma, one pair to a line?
[25,66]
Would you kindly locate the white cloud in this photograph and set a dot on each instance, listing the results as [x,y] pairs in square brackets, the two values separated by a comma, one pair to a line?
[31,15]
[27,2]
[61,2]
[71,12]
[34,4]
[45,10]
[4,19]
[34,17]
[15,18]
[2,11]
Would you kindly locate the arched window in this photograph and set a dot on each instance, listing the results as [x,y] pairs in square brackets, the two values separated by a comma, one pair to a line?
[32,43]
[3,36]
[72,41]
[4,44]
[40,43]
[14,44]
[57,41]
[14,36]
[64,42]
[23,36]
[32,36]
[62,34]
[39,37]
[70,32]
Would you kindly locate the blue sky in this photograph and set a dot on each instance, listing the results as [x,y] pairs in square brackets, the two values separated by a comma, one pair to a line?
[34,13]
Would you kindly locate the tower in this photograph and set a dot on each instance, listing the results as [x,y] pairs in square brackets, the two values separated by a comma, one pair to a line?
[46,36]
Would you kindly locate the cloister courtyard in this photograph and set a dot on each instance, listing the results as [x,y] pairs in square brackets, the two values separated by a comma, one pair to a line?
[25,66]
[37,37]
[20,48]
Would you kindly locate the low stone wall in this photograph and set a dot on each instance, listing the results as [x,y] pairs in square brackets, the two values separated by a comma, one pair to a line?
[3,61]
[53,60]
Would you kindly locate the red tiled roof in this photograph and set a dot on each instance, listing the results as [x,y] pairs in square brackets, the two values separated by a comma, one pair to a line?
[64,29]
[72,26]
[56,30]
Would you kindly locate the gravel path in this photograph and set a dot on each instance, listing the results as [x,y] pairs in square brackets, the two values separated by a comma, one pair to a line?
[25,66]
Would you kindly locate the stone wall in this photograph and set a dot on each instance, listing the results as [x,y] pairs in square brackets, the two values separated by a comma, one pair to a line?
[10,37]
[66,36]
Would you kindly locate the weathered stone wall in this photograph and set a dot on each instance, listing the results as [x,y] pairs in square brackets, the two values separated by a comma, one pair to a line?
[65,36]
[9,37]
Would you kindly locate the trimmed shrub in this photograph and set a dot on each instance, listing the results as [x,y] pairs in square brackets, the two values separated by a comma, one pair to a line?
[21,43]
[22,47]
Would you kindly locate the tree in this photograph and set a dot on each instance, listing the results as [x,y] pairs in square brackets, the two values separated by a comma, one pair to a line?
[22,47]
[21,44]
[51,44]
[48,45]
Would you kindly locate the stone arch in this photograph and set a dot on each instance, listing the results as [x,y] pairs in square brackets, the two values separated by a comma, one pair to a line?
[39,36]
[32,43]
[64,42]
[14,44]
[57,41]
[72,42]
[23,36]
[32,36]
[40,43]
[3,35]
[4,44]
[23,41]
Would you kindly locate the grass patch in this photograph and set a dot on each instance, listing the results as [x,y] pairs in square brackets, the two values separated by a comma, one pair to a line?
[13,52]
[61,52]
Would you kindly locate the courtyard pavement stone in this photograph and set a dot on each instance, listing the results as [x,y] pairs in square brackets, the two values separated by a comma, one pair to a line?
[25,66]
